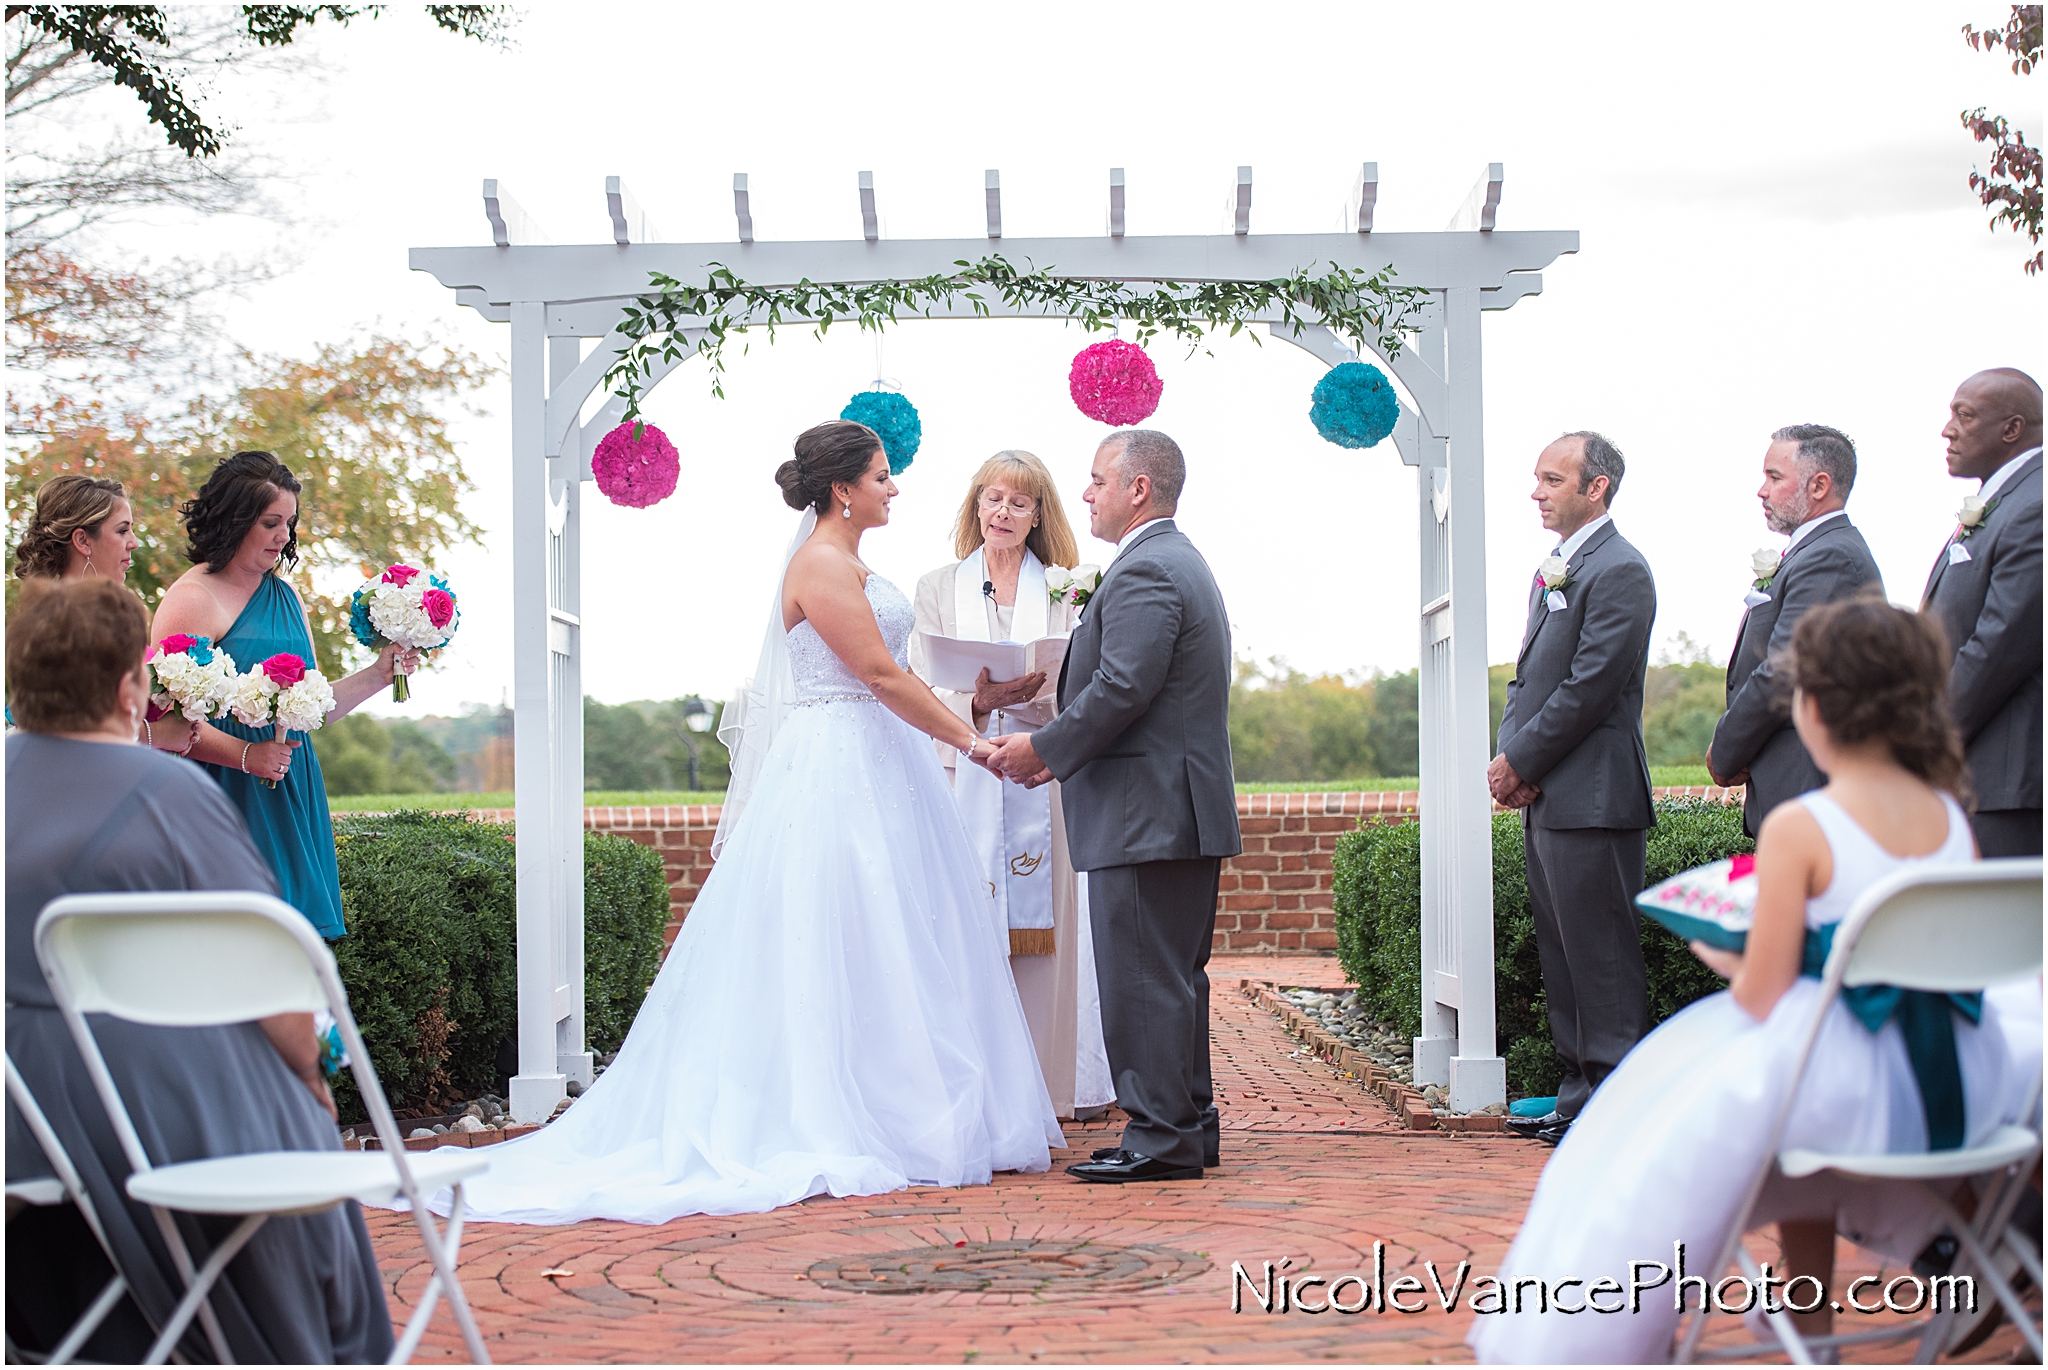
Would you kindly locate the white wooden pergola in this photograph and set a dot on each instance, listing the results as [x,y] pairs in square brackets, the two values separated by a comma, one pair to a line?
[555,297]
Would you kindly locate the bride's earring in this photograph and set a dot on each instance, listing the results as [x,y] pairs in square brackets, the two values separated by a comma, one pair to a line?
[847,512]
[90,569]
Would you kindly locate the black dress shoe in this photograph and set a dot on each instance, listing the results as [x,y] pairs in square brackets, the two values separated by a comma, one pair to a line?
[1128,1166]
[1106,1153]
[1550,1128]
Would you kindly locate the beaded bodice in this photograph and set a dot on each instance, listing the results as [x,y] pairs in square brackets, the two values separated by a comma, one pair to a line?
[822,676]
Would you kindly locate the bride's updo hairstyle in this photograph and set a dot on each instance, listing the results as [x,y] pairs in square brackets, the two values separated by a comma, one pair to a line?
[837,451]
[1877,672]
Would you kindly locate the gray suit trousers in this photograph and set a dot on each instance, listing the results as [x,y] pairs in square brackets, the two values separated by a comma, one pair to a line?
[2007,832]
[1582,888]
[1153,924]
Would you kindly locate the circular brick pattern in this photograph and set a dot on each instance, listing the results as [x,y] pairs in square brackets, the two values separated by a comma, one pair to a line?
[1039,1269]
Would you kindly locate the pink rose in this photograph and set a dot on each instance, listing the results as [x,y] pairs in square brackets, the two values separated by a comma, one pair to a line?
[1742,865]
[399,574]
[155,710]
[284,669]
[440,607]
[177,642]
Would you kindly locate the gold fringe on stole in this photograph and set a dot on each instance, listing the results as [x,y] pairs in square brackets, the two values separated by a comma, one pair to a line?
[1031,942]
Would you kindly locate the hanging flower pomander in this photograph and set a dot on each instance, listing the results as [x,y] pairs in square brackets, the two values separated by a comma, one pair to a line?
[1354,405]
[894,420]
[636,471]
[1115,383]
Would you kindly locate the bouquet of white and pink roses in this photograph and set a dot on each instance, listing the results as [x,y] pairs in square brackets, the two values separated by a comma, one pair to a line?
[1072,587]
[408,606]
[282,691]
[189,675]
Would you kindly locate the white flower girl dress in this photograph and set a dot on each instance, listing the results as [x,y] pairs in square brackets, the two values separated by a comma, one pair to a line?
[1667,1145]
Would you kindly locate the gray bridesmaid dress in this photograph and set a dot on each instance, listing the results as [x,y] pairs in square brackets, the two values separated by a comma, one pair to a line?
[88,816]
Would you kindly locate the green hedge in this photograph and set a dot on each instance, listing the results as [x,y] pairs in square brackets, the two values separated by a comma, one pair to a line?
[429,961]
[1378,885]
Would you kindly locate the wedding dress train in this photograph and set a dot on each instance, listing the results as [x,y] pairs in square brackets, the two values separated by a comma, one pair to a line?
[837,1015]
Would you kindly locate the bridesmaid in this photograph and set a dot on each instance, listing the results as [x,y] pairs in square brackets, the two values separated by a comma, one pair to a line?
[1011,528]
[242,525]
[83,529]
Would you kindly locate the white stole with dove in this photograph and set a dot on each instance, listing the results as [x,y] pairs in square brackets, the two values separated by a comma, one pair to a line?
[1010,826]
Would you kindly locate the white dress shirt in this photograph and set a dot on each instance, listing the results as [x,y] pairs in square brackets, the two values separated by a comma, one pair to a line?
[1807,527]
[2004,473]
[1570,546]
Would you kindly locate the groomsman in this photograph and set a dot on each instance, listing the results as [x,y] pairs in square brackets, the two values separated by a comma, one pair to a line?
[1808,471]
[1571,756]
[1986,591]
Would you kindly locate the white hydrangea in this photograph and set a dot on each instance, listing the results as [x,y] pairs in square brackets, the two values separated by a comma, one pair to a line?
[249,698]
[304,706]
[198,691]
[396,612]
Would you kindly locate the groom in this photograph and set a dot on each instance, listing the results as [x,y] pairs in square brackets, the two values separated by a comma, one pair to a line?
[1141,748]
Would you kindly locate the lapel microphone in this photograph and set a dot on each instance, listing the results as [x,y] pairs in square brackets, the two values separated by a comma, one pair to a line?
[988,587]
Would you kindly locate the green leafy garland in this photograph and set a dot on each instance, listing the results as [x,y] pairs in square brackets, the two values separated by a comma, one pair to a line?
[1365,307]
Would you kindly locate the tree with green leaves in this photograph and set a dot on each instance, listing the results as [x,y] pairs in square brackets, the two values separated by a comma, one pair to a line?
[132,45]
[2012,186]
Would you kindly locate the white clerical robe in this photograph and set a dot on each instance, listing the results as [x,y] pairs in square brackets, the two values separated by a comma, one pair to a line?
[1021,835]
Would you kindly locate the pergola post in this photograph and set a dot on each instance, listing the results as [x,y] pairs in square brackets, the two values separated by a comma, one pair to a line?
[539,1085]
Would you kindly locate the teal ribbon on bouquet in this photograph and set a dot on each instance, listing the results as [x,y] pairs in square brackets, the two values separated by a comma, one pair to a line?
[1926,1021]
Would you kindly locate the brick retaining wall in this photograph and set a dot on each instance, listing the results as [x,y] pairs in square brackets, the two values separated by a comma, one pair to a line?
[1276,897]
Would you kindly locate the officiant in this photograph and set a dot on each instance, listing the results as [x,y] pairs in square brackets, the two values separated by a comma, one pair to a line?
[1011,528]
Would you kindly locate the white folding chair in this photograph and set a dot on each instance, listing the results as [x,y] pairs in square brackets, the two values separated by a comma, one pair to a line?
[1945,929]
[197,958]
[66,1186]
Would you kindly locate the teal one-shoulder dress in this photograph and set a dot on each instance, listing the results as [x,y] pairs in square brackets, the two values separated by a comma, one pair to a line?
[290,824]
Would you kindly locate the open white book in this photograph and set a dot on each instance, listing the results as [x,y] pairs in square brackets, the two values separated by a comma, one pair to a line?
[956,662]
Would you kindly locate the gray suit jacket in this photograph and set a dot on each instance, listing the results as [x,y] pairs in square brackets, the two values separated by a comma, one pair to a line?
[1990,606]
[1141,746]
[1574,718]
[1755,734]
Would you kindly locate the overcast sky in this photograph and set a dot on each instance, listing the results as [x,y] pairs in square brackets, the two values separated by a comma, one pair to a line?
[1775,228]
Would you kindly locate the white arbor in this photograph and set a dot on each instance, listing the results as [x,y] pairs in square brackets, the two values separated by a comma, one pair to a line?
[556,297]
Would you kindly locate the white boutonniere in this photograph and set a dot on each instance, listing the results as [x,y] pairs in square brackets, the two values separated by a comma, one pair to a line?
[1763,562]
[1971,516]
[1555,573]
[1072,587]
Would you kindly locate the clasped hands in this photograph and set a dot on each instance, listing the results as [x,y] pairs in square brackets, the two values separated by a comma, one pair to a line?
[1012,757]
[1509,790]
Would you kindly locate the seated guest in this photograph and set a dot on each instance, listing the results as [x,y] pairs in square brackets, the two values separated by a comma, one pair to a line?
[1666,1149]
[1011,529]
[88,809]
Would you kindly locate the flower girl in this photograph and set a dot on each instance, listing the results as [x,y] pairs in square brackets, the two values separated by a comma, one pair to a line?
[1665,1150]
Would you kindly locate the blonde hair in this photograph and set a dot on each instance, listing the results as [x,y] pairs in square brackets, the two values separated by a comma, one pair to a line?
[1051,540]
[64,505]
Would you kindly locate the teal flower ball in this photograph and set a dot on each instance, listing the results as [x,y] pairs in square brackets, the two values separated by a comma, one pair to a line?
[1354,405]
[894,420]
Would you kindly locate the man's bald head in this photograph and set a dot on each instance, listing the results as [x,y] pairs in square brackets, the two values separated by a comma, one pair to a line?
[1995,416]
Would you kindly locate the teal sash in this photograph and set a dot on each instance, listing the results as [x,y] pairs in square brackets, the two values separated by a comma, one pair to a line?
[1925,1022]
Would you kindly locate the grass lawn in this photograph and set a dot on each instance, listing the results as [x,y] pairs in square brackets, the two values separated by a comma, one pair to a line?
[380,803]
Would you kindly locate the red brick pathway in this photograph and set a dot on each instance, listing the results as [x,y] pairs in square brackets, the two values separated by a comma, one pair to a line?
[1034,1267]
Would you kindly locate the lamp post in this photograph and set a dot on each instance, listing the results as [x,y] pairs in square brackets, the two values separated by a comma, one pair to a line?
[696,721]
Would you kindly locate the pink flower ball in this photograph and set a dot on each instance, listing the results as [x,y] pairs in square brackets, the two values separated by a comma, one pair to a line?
[1114,383]
[636,472]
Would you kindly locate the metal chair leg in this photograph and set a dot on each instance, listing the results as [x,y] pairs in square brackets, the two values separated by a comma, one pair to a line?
[195,1295]
[89,1323]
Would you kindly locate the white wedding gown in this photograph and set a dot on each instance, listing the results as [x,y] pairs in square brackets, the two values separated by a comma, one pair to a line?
[837,1015]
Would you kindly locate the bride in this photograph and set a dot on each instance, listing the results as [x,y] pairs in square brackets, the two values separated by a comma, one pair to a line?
[837,1015]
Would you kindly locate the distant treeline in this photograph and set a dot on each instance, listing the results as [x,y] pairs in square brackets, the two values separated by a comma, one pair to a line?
[1284,726]
[1289,726]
